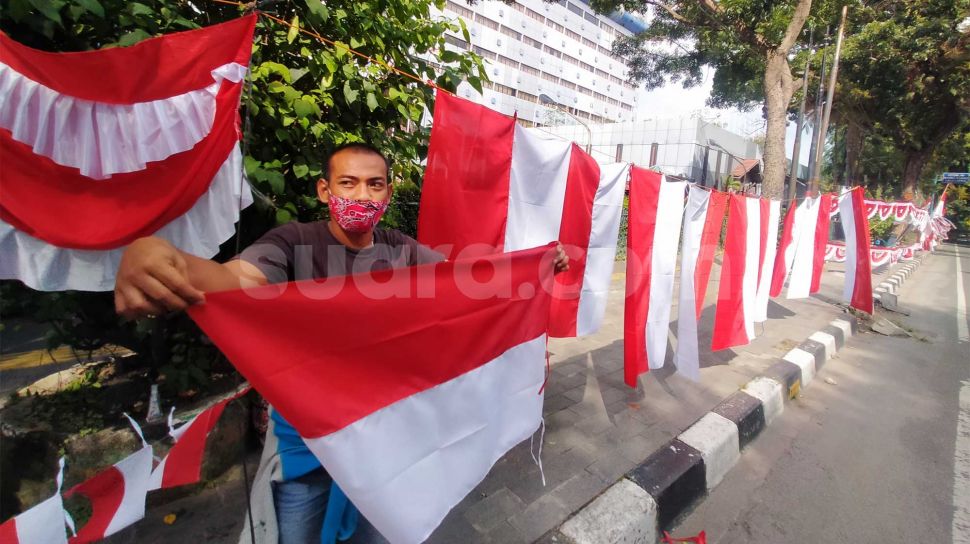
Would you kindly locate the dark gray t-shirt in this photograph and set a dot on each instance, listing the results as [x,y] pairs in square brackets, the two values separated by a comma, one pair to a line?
[303,251]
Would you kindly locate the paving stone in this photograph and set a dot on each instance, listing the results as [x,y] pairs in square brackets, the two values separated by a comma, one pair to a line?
[505,533]
[610,467]
[487,513]
[579,490]
[540,517]
[555,403]
[576,394]
[594,424]
[636,448]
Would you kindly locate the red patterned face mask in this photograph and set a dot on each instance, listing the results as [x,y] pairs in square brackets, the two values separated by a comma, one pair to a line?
[356,215]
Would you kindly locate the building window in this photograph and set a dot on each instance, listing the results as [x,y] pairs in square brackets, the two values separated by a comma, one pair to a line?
[508,62]
[554,52]
[486,21]
[529,70]
[570,60]
[535,15]
[510,33]
[534,43]
[528,97]
[549,77]
[568,84]
[461,11]
[484,53]
[589,43]
[590,17]
[457,42]
[574,35]
[574,8]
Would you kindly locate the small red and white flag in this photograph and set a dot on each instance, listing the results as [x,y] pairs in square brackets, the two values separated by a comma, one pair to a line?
[702,228]
[798,250]
[41,524]
[407,403]
[785,255]
[117,496]
[656,211]
[491,185]
[771,212]
[738,289]
[858,267]
[182,464]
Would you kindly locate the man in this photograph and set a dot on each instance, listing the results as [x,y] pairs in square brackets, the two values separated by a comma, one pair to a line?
[154,277]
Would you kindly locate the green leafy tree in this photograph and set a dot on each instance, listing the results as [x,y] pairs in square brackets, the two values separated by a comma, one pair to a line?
[306,97]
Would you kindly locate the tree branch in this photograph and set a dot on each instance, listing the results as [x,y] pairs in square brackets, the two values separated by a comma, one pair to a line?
[670,11]
[795,26]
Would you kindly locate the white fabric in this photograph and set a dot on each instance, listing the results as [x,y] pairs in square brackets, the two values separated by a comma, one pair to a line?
[199,231]
[412,479]
[136,470]
[44,522]
[768,263]
[851,243]
[601,255]
[537,190]
[686,356]
[752,254]
[803,239]
[663,262]
[104,139]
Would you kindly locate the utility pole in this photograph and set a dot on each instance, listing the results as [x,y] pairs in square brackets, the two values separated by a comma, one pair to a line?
[816,122]
[830,95]
[796,150]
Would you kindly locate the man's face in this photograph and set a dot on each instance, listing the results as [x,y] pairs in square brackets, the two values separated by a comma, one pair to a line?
[356,174]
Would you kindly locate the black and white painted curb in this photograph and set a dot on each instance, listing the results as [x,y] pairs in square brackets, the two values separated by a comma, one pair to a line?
[885,292]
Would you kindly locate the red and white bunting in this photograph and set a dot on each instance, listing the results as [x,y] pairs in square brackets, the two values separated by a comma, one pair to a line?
[702,227]
[426,418]
[737,292]
[656,211]
[770,234]
[151,143]
[826,202]
[117,496]
[491,185]
[803,240]
[44,523]
[858,268]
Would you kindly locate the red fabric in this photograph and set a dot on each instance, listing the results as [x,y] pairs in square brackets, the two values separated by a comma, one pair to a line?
[582,181]
[153,69]
[105,490]
[862,288]
[763,240]
[700,538]
[8,532]
[780,271]
[465,196]
[642,222]
[60,206]
[325,354]
[716,207]
[729,328]
[821,239]
[183,464]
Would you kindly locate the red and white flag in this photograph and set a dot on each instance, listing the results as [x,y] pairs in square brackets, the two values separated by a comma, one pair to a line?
[738,289]
[785,255]
[858,268]
[799,249]
[656,211]
[102,147]
[117,496]
[407,384]
[702,227]
[827,207]
[491,185]
[182,464]
[769,229]
[42,524]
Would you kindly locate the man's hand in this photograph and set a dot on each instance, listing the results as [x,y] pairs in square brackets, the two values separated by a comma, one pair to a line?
[153,279]
[561,262]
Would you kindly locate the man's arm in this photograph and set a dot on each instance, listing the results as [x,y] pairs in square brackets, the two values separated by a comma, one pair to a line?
[154,277]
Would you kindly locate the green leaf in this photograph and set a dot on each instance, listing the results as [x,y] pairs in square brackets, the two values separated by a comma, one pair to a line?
[317,8]
[283,216]
[92,6]
[301,170]
[133,37]
[371,101]
[276,181]
[350,95]
[302,108]
[49,8]
[294,29]
[355,43]
[140,9]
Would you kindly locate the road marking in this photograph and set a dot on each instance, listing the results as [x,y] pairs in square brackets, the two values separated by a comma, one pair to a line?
[961,454]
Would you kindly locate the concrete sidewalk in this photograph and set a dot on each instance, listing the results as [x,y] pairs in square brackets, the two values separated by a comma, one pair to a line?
[596,428]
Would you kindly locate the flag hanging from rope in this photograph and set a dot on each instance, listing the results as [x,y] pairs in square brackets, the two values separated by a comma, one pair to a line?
[827,206]
[800,248]
[117,496]
[737,292]
[656,211]
[770,212]
[43,523]
[148,145]
[491,185]
[407,384]
[858,267]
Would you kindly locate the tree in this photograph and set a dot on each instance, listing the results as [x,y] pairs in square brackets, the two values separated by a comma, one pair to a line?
[906,77]
[748,43]
[306,97]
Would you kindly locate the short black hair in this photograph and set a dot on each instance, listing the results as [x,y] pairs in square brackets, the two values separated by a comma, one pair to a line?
[358,146]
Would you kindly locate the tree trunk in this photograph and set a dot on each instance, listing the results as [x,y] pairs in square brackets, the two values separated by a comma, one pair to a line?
[853,150]
[915,160]
[778,89]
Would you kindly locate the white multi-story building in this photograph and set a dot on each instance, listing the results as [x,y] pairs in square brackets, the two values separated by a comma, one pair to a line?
[545,56]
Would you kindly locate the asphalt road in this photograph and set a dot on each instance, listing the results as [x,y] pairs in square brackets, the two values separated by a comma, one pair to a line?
[877,449]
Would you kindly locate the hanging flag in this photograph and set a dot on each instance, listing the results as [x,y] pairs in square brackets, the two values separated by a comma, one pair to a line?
[151,142]
[41,524]
[858,268]
[785,255]
[826,202]
[656,210]
[117,496]
[737,292]
[803,241]
[406,403]
[183,463]
[491,185]
[771,213]
[702,225]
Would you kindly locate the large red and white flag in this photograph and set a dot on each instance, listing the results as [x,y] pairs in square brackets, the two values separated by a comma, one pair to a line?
[656,211]
[42,524]
[799,249]
[491,185]
[409,401]
[858,267]
[770,213]
[102,147]
[828,206]
[702,227]
[785,255]
[117,496]
[738,289]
